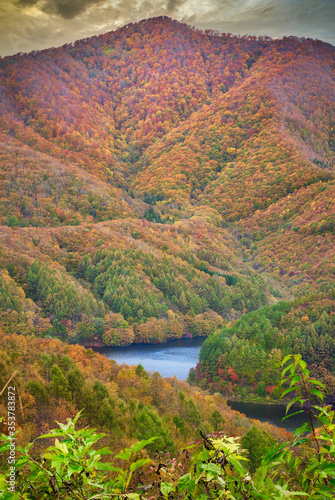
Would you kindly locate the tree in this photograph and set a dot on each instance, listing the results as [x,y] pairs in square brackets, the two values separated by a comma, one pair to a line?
[146,422]
[258,443]
[216,420]
[76,381]
[59,383]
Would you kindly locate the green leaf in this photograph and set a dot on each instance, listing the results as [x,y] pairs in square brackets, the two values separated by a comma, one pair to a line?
[142,444]
[210,468]
[295,400]
[289,356]
[314,465]
[303,364]
[287,391]
[292,414]
[262,471]
[61,446]
[124,454]
[167,488]
[139,463]
[300,441]
[236,464]
[295,379]
[3,483]
[187,482]
[286,369]
[317,393]
[287,493]
[305,427]
[321,409]
[325,491]
[107,466]
[316,382]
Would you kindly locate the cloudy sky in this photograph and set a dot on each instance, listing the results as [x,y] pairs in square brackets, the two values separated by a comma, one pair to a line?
[27,25]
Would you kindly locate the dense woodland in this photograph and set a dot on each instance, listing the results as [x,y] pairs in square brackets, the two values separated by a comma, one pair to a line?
[55,380]
[244,359]
[184,449]
[160,182]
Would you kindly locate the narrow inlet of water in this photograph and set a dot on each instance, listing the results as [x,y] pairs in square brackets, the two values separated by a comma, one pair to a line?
[272,414]
[177,357]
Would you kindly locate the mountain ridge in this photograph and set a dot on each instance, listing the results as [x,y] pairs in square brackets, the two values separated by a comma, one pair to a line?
[213,153]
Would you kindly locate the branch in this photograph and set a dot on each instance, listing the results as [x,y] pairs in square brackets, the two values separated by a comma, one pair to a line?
[8,382]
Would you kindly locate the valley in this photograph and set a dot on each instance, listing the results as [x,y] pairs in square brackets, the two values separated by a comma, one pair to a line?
[160,183]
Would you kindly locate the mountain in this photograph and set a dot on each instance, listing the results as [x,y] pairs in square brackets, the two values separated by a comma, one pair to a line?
[159,181]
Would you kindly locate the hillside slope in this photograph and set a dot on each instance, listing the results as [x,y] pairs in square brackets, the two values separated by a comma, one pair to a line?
[159,181]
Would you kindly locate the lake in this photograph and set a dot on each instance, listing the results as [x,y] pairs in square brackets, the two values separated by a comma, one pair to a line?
[176,358]
[272,414]
[173,358]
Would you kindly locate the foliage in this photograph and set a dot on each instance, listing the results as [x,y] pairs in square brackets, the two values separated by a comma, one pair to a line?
[72,467]
[137,209]
[140,286]
[70,287]
[255,345]
[55,380]
[60,295]
[258,443]
[225,162]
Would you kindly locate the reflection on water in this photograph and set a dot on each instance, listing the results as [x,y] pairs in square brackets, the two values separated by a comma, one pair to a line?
[272,414]
[176,358]
[173,358]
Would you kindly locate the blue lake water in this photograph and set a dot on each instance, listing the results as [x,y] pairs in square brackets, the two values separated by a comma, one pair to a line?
[176,358]
[173,358]
[272,414]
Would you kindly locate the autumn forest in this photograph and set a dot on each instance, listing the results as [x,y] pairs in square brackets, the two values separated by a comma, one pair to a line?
[160,182]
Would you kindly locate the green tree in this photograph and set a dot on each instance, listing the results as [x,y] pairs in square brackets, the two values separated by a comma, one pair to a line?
[76,381]
[258,443]
[59,383]
[216,420]
[147,422]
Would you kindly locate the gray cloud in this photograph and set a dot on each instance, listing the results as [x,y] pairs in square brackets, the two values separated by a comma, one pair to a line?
[276,18]
[26,3]
[172,5]
[68,9]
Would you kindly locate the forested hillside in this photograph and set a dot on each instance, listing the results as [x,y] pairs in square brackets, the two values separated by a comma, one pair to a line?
[243,360]
[74,461]
[159,182]
[55,381]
